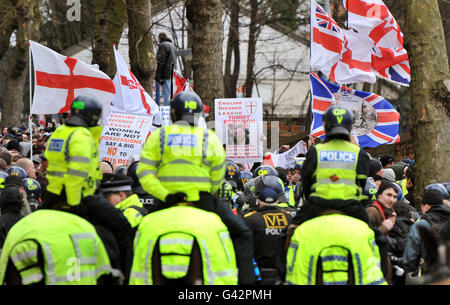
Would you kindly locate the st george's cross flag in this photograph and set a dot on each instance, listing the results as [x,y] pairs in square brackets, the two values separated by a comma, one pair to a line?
[340,54]
[130,96]
[376,120]
[59,79]
[372,19]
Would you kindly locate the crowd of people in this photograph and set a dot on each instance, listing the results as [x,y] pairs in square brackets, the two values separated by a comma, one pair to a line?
[338,216]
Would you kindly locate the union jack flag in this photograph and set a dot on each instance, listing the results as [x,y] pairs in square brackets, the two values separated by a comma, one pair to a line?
[325,21]
[386,129]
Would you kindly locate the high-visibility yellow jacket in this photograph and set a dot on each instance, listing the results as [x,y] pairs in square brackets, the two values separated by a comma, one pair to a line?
[174,232]
[179,158]
[334,244]
[73,253]
[336,171]
[72,154]
[128,208]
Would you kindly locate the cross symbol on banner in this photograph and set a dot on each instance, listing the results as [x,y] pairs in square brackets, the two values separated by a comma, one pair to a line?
[142,122]
[72,82]
[134,84]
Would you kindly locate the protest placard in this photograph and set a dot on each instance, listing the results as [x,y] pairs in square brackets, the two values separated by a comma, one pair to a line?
[165,114]
[239,125]
[123,136]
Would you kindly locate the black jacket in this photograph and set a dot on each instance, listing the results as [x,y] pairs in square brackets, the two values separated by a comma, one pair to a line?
[165,57]
[268,225]
[10,209]
[399,234]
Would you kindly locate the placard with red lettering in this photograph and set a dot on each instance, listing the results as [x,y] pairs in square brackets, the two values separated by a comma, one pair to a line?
[123,136]
[239,125]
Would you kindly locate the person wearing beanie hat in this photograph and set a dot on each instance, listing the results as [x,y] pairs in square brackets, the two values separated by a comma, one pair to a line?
[434,215]
[387,160]
[267,222]
[388,174]
[375,169]
[117,189]
[399,169]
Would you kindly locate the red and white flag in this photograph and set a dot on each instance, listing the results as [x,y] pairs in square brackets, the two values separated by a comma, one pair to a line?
[337,52]
[371,18]
[130,96]
[180,83]
[59,79]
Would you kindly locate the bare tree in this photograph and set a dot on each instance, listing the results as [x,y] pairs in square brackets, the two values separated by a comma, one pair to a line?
[110,17]
[429,92]
[141,52]
[22,18]
[230,79]
[206,19]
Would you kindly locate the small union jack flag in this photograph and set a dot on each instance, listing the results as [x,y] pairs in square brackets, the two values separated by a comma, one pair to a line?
[325,21]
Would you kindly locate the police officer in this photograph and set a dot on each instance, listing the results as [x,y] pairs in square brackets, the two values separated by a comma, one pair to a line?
[74,170]
[268,222]
[33,191]
[145,198]
[117,190]
[186,163]
[334,173]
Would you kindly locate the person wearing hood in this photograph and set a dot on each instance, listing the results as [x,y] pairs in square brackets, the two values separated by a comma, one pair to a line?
[434,215]
[375,169]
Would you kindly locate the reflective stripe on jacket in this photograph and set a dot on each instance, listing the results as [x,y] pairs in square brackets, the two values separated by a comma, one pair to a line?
[72,251]
[174,230]
[336,171]
[179,158]
[72,154]
[336,241]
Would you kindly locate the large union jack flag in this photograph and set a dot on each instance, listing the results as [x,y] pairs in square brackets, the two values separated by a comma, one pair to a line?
[386,129]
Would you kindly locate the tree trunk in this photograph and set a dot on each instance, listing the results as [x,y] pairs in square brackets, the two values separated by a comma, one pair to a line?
[110,17]
[26,23]
[252,39]
[142,55]
[230,80]
[426,46]
[206,19]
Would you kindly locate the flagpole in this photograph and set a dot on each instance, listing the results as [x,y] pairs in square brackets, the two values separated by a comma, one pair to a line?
[120,84]
[30,118]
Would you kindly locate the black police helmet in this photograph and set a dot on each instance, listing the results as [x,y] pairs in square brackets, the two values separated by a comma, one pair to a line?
[338,120]
[232,171]
[269,181]
[184,106]
[246,176]
[18,171]
[85,111]
[265,170]
[32,187]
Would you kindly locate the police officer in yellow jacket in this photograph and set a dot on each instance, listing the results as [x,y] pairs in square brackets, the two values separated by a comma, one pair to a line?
[183,162]
[73,173]
[333,249]
[117,189]
[334,173]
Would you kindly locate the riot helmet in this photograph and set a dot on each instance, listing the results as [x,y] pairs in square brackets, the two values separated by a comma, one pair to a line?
[338,121]
[85,111]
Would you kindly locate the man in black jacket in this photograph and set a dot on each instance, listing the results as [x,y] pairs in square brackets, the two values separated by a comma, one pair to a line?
[10,205]
[166,62]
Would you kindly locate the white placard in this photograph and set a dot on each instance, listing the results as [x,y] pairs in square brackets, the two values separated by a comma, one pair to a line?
[239,125]
[165,114]
[123,136]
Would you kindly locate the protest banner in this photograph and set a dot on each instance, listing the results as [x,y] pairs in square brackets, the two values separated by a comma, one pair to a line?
[165,115]
[288,158]
[123,136]
[239,125]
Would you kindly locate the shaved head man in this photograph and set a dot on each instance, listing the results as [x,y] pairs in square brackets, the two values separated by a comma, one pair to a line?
[28,165]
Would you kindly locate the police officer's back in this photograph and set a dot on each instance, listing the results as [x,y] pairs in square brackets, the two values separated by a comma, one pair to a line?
[334,173]
[73,173]
[268,222]
[186,163]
